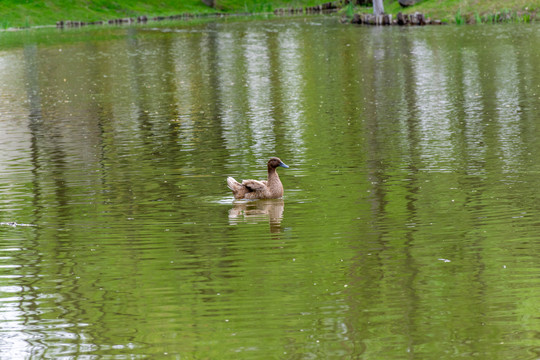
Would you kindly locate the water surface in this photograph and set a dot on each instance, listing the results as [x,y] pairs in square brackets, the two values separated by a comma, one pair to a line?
[409,226]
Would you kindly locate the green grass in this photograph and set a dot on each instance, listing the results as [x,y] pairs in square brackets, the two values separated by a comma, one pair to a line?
[461,11]
[21,13]
[24,13]
[460,20]
[32,13]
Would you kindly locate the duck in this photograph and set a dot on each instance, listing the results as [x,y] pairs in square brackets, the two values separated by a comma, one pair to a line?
[272,188]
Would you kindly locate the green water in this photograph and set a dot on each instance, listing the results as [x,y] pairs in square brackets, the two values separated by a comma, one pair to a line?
[410,225]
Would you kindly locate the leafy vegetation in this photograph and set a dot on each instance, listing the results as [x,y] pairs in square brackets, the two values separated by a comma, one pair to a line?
[459,18]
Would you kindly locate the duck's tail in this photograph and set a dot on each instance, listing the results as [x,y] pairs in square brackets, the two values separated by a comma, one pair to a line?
[232,184]
[237,188]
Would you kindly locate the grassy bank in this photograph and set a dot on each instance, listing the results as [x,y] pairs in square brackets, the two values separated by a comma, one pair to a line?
[18,13]
[25,13]
[472,11]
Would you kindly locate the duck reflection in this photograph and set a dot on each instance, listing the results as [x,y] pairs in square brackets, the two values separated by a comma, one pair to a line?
[253,212]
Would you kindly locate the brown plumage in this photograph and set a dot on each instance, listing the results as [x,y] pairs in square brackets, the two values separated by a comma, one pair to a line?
[254,189]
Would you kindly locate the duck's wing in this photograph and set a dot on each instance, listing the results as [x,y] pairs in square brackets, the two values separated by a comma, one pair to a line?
[255,185]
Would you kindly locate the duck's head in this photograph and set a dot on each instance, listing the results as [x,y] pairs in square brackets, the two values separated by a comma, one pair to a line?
[275,162]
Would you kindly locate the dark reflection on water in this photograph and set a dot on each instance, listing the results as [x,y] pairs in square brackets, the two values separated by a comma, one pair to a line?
[411,226]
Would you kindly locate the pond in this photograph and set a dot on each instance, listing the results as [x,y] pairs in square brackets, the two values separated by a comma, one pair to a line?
[409,228]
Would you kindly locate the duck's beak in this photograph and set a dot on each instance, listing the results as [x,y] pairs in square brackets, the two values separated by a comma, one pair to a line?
[282,164]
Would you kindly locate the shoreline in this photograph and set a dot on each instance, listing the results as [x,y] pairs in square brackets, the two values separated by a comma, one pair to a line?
[143,19]
[406,16]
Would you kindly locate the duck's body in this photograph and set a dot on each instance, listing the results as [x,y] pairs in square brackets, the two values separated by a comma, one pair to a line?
[264,189]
